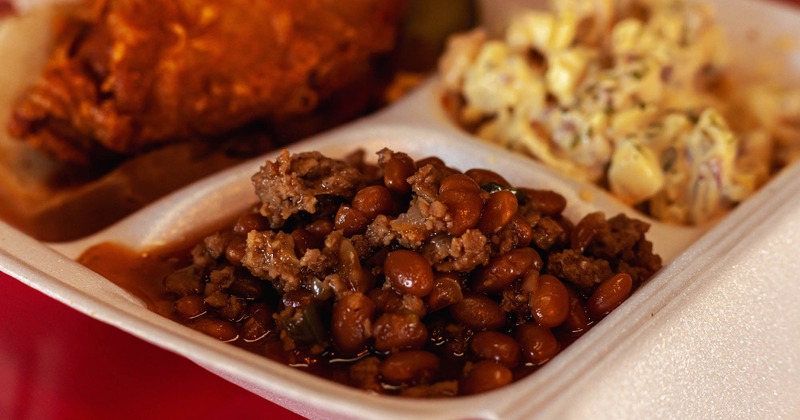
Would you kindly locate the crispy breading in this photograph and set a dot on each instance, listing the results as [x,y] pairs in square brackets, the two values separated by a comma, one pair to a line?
[127,75]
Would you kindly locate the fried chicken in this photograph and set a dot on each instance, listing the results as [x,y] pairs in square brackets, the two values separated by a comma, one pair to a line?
[128,75]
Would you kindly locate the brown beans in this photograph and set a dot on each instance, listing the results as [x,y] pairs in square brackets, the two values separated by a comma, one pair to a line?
[233,310]
[485,376]
[502,270]
[374,200]
[393,331]
[522,230]
[431,160]
[409,366]
[478,312]
[538,344]
[250,221]
[351,323]
[297,298]
[320,228]
[485,176]
[492,345]
[350,220]
[190,306]
[609,294]
[549,302]
[259,323]
[578,319]
[530,281]
[408,272]
[186,281]
[246,287]
[350,269]
[236,249]
[387,300]
[438,163]
[218,328]
[446,291]
[464,208]
[458,182]
[583,233]
[396,172]
[547,202]
[303,241]
[498,211]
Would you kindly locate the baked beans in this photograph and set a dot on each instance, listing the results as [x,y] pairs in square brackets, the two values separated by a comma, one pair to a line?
[406,278]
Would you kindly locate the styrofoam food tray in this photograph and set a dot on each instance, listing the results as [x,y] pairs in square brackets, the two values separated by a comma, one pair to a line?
[713,334]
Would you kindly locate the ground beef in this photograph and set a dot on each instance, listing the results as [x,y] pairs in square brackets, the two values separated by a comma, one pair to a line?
[212,248]
[463,253]
[270,255]
[221,279]
[380,233]
[617,236]
[546,233]
[640,262]
[578,269]
[422,221]
[603,247]
[425,182]
[293,183]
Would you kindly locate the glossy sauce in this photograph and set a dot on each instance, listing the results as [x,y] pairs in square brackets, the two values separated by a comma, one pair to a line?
[141,274]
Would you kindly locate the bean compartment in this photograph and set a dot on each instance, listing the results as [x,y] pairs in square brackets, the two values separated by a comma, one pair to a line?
[405,278]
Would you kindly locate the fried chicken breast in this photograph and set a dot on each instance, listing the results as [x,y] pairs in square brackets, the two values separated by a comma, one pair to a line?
[127,75]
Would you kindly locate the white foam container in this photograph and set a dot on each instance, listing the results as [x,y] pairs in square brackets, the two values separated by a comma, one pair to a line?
[713,335]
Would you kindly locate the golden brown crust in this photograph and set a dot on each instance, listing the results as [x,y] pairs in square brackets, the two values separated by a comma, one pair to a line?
[129,74]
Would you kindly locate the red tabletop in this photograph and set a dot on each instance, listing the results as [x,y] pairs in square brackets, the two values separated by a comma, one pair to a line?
[56,363]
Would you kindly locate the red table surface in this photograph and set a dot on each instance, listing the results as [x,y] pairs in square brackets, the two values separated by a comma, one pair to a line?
[57,363]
